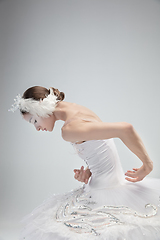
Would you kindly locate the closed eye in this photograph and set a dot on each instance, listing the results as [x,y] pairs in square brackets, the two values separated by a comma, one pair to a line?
[30,120]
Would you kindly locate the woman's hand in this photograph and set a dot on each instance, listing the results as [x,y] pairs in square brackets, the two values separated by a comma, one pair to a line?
[82,175]
[139,173]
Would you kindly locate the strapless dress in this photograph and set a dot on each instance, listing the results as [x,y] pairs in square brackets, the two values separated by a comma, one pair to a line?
[107,208]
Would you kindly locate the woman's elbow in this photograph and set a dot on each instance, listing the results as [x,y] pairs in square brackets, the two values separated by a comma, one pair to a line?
[127,129]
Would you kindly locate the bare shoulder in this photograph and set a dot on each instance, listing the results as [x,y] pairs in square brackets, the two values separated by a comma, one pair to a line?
[80,130]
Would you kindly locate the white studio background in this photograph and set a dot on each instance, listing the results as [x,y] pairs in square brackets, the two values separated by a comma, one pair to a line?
[104,54]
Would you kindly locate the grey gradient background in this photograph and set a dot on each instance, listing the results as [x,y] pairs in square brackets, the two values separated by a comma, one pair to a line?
[102,54]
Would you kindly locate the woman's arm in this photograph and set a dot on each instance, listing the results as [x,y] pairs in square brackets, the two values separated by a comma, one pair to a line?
[83,131]
[79,130]
[133,141]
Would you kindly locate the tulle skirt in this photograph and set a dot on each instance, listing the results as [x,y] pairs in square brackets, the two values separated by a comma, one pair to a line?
[129,211]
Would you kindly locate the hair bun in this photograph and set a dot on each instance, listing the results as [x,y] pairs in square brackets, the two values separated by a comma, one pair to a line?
[60,95]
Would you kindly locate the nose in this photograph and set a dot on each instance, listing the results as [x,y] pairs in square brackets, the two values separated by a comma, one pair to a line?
[38,128]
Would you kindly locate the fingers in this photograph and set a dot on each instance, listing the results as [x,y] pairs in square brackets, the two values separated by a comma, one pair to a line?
[81,175]
[132,179]
[131,174]
[76,175]
[77,171]
[86,181]
[130,171]
[135,169]
[82,168]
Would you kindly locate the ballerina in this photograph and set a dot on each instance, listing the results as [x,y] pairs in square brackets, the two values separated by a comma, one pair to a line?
[109,205]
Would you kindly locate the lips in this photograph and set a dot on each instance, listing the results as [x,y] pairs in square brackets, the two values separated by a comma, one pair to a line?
[44,129]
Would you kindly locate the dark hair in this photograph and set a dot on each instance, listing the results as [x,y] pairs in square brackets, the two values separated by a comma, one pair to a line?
[37,93]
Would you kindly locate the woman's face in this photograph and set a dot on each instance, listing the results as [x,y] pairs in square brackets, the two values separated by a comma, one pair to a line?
[44,124]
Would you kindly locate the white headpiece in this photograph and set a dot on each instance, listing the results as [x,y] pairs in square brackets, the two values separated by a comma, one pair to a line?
[43,108]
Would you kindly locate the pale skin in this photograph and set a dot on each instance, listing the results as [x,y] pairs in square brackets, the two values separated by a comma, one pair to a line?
[79,130]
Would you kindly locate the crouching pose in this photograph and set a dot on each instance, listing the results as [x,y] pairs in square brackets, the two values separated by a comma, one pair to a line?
[110,205]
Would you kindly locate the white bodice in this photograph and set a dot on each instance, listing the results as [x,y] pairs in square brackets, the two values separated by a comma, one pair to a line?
[103,161]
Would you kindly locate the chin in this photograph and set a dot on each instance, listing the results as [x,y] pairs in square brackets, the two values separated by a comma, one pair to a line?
[50,130]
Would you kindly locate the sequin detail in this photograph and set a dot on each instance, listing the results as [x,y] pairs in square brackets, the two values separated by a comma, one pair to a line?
[78,214]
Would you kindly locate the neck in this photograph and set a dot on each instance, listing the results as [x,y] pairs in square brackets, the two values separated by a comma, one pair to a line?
[61,111]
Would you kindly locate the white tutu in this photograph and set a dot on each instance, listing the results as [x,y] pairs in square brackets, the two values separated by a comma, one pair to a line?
[107,208]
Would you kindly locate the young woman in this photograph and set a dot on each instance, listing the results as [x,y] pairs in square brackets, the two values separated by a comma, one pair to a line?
[109,206]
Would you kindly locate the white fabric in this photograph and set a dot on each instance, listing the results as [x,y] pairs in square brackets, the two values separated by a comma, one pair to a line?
[107,208]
